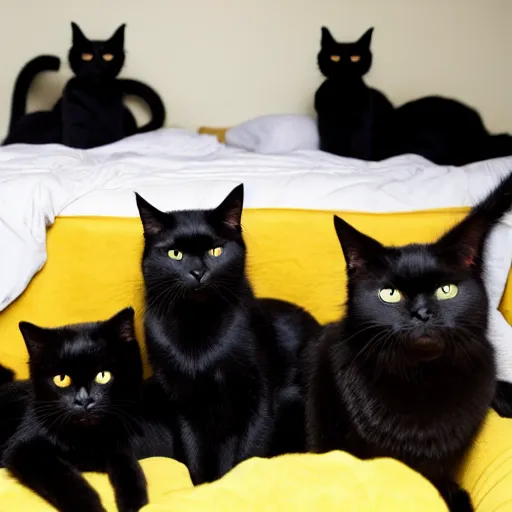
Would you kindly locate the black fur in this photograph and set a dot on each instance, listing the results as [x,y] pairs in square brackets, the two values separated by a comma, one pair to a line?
[22,87]
[502,402]
[6,375]
[86,426]
[224,361]
[412,380]
[350,114]
[91,112]
[444,131]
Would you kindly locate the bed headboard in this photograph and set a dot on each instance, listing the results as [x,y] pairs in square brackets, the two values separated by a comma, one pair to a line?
[220,133]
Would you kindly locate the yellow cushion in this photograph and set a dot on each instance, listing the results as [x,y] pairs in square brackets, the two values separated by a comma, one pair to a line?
[16,498]
[290,483]
[220,133]
[93,270]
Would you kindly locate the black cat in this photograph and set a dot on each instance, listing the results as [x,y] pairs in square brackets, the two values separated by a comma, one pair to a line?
[351,115]
[444,131]
[409,373]
[83,413]
[225,361]
[91,111]
[6,375]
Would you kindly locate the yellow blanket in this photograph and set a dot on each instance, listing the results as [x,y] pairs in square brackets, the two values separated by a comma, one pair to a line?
[303,483]
[93,271]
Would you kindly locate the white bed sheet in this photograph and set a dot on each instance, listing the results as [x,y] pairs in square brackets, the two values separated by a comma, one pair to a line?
[177,169]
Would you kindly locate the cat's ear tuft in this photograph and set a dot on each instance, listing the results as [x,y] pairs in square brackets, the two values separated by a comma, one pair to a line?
[118,36]
[153,220]
[230,210]
[123,325]
[359,249]
[464,244]
[327,38]
[36,338]
[366,39]
[78,35]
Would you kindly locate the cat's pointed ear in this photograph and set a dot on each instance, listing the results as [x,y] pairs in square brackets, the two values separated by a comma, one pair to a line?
[230,210]
[153,220]
[78,35]
[359,249]
[327,38]
[464,244]
[122,325]
[118,36]
[366,39]
[36,338]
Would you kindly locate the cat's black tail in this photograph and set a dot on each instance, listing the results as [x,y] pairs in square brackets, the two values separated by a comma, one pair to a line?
[153,100]
[496,204]
[466,240]
[496,146]
[23,82]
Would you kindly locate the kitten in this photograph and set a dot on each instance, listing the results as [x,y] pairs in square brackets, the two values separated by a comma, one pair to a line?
[409,372]
[350,114]
[225,361]
[86,383]
[91,112]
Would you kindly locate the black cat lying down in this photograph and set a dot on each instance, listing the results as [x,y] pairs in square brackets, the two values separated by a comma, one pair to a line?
[409,373]
[84,414]
[226,361]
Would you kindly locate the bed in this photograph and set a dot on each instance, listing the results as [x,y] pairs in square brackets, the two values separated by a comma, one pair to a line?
[72,240]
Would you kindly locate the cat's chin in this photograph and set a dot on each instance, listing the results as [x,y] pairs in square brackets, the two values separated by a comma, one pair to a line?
[425,349]
[86,419]
[201,294]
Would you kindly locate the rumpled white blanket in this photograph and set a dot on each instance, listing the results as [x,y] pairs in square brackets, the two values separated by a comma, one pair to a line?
[178,169]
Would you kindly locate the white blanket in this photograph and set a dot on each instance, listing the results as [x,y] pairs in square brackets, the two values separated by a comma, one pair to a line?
[176,169]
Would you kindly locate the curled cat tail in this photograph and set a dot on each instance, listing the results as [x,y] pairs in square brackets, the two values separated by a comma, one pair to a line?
[466,241]
[151,97]
[6,375]
[23,82]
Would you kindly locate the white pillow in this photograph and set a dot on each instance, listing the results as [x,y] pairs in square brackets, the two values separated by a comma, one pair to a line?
[279,133]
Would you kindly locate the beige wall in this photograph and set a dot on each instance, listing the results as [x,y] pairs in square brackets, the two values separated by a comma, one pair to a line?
[219,62]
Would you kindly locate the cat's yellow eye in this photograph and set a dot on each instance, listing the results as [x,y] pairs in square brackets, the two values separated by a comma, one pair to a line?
[390,295]
[103,378]
[108,57]
[174,254]
[447,291]
[216,251]
[62,381]
[87,57]
[335,58]
[355,58]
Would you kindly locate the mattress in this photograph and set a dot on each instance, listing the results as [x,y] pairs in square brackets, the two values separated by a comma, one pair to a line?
[179,169]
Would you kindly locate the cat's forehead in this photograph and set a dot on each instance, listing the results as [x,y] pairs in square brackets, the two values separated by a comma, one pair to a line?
[342,47]
[416,265]
[191,224]
[82,340]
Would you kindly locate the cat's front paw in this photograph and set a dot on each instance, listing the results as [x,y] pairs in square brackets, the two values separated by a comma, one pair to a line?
[133,502]
[460,501]
[125,507]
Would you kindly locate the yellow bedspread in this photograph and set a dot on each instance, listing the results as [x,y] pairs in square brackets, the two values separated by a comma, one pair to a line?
[93,270]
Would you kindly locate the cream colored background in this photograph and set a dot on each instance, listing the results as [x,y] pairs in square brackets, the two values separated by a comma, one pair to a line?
[219,62]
